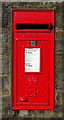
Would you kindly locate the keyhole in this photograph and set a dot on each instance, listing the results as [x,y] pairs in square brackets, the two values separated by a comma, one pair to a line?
[22,75]
[32,42]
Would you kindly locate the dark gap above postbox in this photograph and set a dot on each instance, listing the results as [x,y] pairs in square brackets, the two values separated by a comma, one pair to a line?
[34,26]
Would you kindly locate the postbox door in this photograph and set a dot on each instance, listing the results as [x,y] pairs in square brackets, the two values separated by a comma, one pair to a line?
[32,88]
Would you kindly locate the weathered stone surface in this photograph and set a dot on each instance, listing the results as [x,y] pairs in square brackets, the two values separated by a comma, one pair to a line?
[58,63]
[58,98]
[23,113]
[58,80]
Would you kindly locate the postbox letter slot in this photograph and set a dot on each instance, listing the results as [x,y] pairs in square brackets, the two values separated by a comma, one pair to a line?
[34,26]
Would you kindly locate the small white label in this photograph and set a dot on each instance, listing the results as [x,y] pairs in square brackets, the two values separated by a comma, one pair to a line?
[32,59]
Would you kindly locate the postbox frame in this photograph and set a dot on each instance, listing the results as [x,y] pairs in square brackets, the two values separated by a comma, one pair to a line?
[14,104]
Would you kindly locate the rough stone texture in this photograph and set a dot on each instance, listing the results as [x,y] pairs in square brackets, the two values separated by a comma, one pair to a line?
[7,113]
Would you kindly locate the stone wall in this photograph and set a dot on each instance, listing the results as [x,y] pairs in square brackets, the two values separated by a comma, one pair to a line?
[7,113]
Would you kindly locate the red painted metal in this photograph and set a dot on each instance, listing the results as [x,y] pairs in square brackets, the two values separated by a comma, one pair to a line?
[32,90]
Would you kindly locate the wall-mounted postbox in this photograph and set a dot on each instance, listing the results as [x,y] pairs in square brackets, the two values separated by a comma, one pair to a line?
[32,58]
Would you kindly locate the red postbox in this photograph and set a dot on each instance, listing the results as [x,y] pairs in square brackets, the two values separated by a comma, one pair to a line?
[32,58]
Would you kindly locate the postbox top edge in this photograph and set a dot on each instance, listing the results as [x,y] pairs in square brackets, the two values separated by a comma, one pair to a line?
[34,9]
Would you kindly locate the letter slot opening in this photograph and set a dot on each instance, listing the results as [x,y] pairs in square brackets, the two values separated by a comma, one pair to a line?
[34,26]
